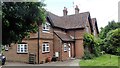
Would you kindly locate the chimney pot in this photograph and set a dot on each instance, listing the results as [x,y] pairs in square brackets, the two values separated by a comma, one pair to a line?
[76,10]
[65,11]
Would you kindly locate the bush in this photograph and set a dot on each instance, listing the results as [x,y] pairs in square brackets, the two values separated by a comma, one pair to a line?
[112,42]
[87,55]
[91,46]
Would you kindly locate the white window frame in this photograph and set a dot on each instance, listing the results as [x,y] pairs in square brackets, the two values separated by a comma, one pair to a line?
[46,46]
[21,48]
[45,27]
[65,46]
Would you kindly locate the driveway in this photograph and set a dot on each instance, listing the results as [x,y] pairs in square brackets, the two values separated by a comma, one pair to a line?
[73,62]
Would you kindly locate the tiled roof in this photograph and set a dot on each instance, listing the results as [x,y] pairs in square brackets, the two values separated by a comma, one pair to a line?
[94,23]
[63,36]
[69,21]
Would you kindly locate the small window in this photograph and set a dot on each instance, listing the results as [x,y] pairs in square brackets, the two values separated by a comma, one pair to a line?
[22,48]
[46,27]
[65,46]
[45,47]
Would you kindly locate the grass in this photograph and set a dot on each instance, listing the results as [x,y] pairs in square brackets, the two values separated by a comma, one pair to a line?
[104,60]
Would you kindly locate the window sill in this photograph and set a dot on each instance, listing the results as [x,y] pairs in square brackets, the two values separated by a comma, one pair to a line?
[65,51]
[45,31]
[45,52]
[22,53]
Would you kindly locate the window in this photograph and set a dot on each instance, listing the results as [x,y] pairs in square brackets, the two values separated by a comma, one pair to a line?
[45,47]
[65,46]
[22,48]
[46,27]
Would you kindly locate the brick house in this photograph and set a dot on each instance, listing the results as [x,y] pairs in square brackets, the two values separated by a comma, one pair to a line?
[59,36]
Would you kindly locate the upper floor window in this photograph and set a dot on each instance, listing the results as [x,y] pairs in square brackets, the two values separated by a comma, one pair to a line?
[46,27]
[22,48]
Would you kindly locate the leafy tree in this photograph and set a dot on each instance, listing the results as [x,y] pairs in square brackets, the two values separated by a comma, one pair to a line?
[19,19]
[112,42]
[111,26]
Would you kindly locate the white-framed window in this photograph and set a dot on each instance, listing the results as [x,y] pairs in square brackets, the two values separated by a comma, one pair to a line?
[65,46]
[46,27]
[45,47]
[22,48]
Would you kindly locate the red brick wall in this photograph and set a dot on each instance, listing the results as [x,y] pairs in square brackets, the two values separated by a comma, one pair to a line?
[12,55]
[43,56]
[57,46]
[79,49]
[32,47]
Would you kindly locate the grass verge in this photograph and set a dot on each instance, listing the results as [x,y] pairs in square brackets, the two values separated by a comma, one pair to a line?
[104,60]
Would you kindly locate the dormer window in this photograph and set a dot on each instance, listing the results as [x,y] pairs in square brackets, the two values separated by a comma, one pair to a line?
[46,27]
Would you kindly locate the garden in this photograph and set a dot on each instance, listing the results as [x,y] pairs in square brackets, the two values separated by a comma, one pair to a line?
[103,50]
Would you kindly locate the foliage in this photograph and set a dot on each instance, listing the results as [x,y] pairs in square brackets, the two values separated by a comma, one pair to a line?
[111,26]
[19,19]
[112,42]
[91,45]
[110,38]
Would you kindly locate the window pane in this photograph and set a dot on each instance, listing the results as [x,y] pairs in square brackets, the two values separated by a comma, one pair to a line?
[65,47]
[47,49]
[43,47]
[25,46]
[21,49]
[25,50]
[18,48]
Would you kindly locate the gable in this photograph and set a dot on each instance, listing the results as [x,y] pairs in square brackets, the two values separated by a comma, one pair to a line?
[94,23]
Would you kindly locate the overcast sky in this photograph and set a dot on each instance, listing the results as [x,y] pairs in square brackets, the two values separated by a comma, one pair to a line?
[103,10]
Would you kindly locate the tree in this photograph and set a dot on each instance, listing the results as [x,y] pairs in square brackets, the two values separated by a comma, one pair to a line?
[107,35]
[112,42]
[111,26]
[19,19]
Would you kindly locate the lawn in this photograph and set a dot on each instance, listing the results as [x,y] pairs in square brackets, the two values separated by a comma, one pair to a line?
[104,60]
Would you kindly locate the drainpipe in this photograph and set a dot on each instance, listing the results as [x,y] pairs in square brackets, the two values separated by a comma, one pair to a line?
[38,42]
[61,50]
[74,45]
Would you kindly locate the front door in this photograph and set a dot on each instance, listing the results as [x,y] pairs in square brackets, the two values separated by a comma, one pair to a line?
[69,50]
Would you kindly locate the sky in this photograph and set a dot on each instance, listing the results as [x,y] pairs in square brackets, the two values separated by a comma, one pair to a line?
[103,10]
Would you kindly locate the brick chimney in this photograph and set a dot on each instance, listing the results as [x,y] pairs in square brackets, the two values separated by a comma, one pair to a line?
[76,10]
[65,11]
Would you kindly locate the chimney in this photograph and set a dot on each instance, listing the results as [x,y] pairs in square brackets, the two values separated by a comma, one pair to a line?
[65,11]
[76,10]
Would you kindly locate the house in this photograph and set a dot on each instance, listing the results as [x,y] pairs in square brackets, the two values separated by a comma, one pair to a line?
[60,36]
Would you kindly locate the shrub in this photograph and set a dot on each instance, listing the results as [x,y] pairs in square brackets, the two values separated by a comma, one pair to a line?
[112,42]
[91,46]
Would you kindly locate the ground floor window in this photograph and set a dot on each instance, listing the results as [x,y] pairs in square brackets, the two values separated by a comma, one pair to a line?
[45,47]
[22,48]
